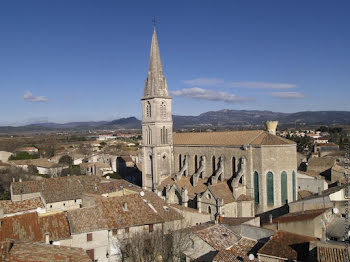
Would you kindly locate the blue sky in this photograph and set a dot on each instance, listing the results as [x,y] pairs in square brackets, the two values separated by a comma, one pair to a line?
[84,60]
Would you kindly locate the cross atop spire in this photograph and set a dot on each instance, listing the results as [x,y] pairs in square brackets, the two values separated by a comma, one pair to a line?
[156,85]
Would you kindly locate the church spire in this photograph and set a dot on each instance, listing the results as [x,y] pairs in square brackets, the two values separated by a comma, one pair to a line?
[156,85]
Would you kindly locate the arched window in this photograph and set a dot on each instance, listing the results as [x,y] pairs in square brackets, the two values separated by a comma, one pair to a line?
[150,136]
[166,136]
[293,181]
[269,188]
[161,136]
[195,163]
[163,110]
[233,165]
[256,187]
[209,209]
[180,163]
[284,187]
[213,163]
[148,109]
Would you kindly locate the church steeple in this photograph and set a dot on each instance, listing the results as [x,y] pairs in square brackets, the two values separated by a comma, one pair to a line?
[156,84]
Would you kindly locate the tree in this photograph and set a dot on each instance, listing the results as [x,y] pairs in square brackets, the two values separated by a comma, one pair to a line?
[23,156]
[155,246]
[66,160]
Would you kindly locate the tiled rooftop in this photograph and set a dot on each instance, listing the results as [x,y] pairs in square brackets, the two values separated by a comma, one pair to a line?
[70,187]
[34,252]
[218,236]
[239,252]
[121,212]
[10,207]
[299,216]
[287,245]
[330,252]
[230,138]
[32,227]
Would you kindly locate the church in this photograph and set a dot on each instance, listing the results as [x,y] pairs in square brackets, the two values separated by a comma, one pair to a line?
[231,173]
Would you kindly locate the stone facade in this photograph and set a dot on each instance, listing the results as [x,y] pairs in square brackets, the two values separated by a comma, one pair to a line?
[247,165]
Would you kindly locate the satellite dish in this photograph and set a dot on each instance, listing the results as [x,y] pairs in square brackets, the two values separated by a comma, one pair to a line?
[108,177]
[251,257]
[335,210]
[159,194]
[38,209]
[142,193]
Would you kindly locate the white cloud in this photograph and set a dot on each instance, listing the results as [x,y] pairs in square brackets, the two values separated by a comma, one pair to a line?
[221,82]
[287,95]
[204,82]
[204,94]
[28,96]
[261,85]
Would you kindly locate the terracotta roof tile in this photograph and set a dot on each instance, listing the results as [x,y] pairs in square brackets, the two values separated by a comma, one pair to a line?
[287,245]
[327,252]
[238,252]
[222,190]
[30,252]
[233,221]
[218,236]
[230,138]
[299,216]
[70,187]
[31,227]
[10,207]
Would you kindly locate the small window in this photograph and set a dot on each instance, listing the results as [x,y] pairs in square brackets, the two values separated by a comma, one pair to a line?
[50,206]
[115,232]
[126,230]
[64,204]
[209,209]
[91,254]
[209,196]
[75,200]
[150,228]
[89,237]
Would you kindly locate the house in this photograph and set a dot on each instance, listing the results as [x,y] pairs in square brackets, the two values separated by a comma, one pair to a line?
[286,246]
[95,169]
[207,239]
[65,193]
[101,227]
[43,166]
[28,149]
[310,223]
[34,252]
[311,182]
[330,251]
[35,227]
[324,149]
[11,208]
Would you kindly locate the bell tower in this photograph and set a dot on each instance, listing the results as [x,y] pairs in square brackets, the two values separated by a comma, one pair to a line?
[157,123]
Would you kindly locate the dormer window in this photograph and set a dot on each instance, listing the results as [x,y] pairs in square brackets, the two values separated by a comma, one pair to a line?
[125,207]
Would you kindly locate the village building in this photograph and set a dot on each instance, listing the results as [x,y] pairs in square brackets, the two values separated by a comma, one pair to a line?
[255,170]
[12,208]
[95,169]
[66,193]
[34,252]
[28,149]
[286,246]
[42,165]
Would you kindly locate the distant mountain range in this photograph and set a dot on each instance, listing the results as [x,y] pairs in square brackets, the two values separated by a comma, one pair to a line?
[222,119]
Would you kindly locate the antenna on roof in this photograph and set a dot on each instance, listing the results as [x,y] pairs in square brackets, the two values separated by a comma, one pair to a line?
[142,193]
[154,21]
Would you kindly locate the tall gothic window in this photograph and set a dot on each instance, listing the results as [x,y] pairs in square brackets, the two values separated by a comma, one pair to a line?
[284,187]
[195,163]
[180,163]
[148,109]
[233,165]
[213,163]
[269,188]
[256,187]
[293,182]
[163,135]
[163,110]
[149,136]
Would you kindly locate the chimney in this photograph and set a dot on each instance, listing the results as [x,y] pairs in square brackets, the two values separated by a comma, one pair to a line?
[47,238]
[271,127]
[13,179]
[20,180]
[270,218]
